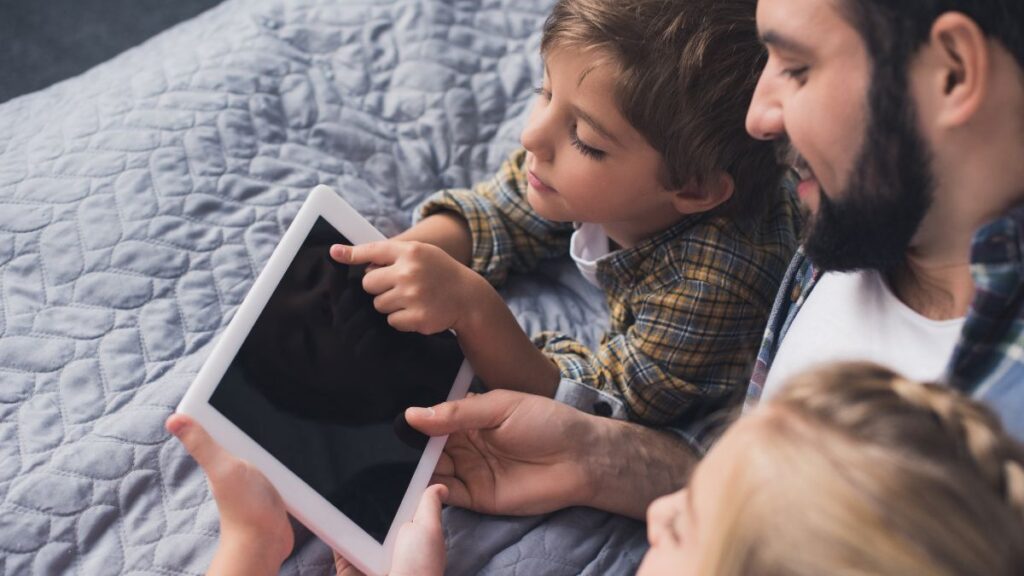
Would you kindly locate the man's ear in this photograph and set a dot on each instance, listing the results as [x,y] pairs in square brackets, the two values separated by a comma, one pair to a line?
[960,67]
[694,198]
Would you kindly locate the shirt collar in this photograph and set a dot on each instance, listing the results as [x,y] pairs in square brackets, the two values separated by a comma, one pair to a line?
[1000,242]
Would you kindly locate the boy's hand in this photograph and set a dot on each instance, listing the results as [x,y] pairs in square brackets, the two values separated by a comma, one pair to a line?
[254,527]
[419,286]
[419,549]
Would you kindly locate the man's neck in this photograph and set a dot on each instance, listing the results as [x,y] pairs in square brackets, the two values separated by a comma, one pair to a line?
[935,290]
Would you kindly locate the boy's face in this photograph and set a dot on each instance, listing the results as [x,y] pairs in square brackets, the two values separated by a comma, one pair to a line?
[585,162]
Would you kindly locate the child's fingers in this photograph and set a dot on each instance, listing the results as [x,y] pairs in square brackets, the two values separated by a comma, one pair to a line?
[203,448]
[387,302]
[428,513]
[406,320]
[379,280]
[343,567]
[380,253]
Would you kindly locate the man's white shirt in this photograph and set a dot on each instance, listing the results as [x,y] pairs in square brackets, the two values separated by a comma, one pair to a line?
[855,316]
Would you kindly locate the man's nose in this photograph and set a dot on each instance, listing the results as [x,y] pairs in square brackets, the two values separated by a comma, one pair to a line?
[764,117]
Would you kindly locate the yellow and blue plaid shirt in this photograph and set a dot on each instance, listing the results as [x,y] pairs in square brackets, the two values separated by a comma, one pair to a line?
[688,306]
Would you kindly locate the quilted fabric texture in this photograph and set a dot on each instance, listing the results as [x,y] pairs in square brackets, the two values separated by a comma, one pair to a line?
[139,201]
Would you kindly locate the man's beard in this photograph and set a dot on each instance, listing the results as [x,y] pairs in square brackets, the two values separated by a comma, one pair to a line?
[870,224]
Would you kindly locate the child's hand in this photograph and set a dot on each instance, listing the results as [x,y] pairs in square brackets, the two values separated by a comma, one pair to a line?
[254,527]
[419,286]
[419,549]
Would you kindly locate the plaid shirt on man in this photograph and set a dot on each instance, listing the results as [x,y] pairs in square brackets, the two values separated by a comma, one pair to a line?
[988,361]
[688,306]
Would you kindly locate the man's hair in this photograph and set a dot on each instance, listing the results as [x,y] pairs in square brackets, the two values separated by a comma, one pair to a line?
[686,72]
[895,30]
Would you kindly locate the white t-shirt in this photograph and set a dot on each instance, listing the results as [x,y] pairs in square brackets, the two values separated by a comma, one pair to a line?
[588,244]
[855,316]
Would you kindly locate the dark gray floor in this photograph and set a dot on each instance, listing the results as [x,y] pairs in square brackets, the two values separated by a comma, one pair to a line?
[45,41]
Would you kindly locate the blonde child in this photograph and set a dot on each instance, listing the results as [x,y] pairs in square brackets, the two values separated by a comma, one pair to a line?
[635,162]
[853,470]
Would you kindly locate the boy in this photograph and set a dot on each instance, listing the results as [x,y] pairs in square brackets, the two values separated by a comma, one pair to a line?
[638,138]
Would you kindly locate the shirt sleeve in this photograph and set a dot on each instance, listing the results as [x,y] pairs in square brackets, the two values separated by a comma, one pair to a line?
[508,235]
[685,358]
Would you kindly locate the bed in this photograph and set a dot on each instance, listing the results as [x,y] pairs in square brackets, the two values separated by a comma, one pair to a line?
[138,202]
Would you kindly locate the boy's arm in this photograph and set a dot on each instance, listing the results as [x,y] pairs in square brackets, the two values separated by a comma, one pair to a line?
[505,233]
[688,353]
[502,355]
[446,230]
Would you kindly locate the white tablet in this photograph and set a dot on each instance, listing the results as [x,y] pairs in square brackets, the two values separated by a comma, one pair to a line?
[309,384]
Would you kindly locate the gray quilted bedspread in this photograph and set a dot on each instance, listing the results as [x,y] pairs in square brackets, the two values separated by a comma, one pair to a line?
[137,204]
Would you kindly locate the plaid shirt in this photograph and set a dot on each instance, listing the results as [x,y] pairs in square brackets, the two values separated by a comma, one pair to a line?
[988,361]
[688,306]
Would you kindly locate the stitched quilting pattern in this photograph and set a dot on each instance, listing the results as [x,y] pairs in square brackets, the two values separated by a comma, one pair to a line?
[138,202]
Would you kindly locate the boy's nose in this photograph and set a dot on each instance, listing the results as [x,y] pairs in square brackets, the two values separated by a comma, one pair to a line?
[534,136]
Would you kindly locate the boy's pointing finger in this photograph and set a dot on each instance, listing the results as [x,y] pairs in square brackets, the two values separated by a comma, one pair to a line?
[381,253]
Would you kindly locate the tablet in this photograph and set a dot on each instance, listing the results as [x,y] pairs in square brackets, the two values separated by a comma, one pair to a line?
[309,384]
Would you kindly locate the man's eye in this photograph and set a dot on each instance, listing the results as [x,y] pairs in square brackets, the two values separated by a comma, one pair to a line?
[798,73]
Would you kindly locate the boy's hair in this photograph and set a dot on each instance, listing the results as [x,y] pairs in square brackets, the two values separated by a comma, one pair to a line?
[871,473]
[686,74]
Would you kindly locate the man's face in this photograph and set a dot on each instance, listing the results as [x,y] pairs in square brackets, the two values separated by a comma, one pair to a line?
[863,168]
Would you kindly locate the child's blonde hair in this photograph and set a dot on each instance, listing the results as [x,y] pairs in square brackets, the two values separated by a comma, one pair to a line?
[859,471]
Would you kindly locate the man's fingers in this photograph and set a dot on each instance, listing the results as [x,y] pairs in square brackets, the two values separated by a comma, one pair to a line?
[458,494]
[479,412]
[203,448]
[445,465]
[382,253]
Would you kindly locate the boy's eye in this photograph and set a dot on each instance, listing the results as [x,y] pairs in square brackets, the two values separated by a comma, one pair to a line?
[541,91]
[588,151]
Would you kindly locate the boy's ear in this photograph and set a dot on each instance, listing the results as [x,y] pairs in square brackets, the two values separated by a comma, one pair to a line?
[696,198]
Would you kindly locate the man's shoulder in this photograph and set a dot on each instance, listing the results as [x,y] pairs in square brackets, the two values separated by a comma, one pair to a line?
[1000,381]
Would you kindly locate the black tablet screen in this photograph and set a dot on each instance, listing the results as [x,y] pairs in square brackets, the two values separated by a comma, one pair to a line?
[322,380]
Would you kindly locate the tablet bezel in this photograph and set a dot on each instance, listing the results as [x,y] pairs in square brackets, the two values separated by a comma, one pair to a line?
[309,507]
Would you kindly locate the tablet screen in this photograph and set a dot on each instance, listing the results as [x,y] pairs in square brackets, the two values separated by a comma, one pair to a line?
[322,380]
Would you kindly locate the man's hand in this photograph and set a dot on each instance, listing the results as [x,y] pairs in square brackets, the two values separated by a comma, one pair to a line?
[255,535]
[418,286]
[521,454]
[509,452]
